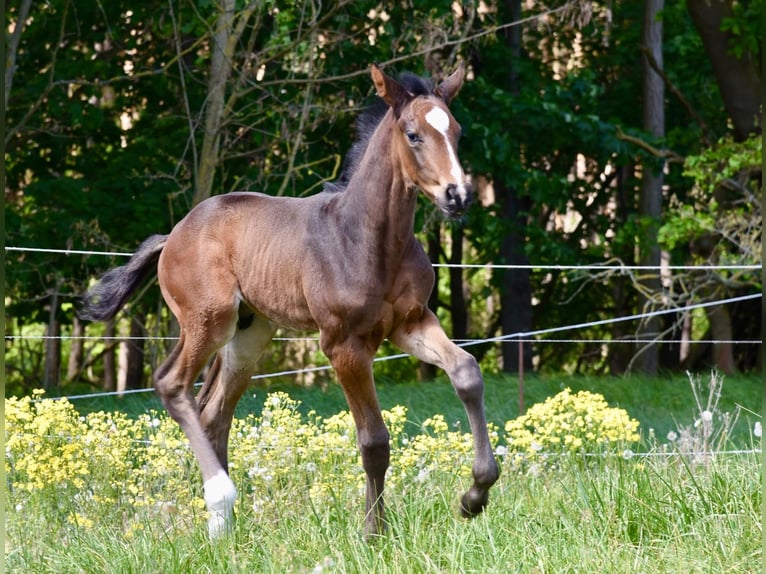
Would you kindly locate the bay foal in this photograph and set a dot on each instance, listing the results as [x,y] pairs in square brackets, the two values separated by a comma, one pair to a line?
[344,262]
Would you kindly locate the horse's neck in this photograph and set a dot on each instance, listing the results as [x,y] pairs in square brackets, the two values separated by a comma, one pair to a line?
[377,197]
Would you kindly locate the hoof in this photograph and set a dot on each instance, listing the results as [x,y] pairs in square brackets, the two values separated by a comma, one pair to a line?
[374,530]
[218,525]
[473,502]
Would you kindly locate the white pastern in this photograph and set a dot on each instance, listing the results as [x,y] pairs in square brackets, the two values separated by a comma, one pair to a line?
[439,120]
[220,495]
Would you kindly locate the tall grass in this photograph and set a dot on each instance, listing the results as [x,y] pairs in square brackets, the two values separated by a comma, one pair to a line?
[300,508]
[614,515]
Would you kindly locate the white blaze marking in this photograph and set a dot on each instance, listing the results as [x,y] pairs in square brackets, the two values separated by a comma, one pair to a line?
[439,119]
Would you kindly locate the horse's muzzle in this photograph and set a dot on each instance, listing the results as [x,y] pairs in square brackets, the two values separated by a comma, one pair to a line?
[457,199]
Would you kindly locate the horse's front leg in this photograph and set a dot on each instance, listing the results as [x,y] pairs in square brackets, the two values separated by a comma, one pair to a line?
[425,339]
[352,361]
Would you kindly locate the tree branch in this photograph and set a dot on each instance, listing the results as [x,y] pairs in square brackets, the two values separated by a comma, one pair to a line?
[652,61]
[13,47]
[669,155]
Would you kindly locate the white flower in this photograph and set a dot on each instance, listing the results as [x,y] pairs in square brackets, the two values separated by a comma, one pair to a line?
[706,416]
[326,564]
[535,469]
[627,453]
[672,436]
[536,446]
[757,429]
[311,467]
[501,450]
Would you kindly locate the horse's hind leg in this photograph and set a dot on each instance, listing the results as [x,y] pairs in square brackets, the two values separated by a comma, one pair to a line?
[174,381]
[426,340]
[228,379]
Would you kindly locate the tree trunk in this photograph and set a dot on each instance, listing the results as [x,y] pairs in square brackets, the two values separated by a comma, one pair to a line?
[110,375]
[737,78]
[622,290]
[721,332]
[52,370]
[135,378]
[650,204]
[52,366]
[670,353]
[619,353]
[76,350]
[516,291]
[220,72]
[131,357]
[13,46]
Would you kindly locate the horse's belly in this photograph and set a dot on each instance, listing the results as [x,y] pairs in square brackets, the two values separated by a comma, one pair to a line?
[283,305]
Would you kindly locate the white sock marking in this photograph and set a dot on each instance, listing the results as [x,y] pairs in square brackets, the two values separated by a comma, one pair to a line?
[220,495]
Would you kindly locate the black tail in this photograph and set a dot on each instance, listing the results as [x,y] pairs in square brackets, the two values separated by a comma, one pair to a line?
[107,297]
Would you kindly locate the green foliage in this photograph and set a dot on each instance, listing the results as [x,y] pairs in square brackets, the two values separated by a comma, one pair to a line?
[723,203]
[726,160]
[105,124]
[745,28]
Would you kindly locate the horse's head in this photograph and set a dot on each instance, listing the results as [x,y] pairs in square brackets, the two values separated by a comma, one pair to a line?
[426,140]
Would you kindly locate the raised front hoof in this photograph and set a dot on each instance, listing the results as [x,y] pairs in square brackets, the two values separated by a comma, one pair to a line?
[474,502]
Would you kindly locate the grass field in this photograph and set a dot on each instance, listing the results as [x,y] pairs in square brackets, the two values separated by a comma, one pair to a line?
[104,500]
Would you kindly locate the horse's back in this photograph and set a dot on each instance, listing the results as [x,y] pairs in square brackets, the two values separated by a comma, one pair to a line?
[241,247]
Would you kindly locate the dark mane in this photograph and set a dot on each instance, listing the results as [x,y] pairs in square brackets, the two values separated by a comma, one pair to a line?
[366,124]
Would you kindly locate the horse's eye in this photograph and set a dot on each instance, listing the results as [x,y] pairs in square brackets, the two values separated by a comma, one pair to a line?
[412,137]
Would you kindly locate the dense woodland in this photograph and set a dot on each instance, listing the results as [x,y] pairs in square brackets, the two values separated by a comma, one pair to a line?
[596,132]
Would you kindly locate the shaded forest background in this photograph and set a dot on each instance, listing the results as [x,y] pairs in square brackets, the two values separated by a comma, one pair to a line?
[596,132]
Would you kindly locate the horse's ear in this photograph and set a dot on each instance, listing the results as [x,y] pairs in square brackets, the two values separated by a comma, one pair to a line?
[391,91]
[449,88]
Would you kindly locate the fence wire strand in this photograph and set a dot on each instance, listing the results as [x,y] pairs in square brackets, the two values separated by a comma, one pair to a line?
[531,267]
[513,337]
[499,451]
[520,337]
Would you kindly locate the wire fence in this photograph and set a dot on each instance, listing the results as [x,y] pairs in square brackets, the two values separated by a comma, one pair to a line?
[538,336]
[531,267]
[500,451]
